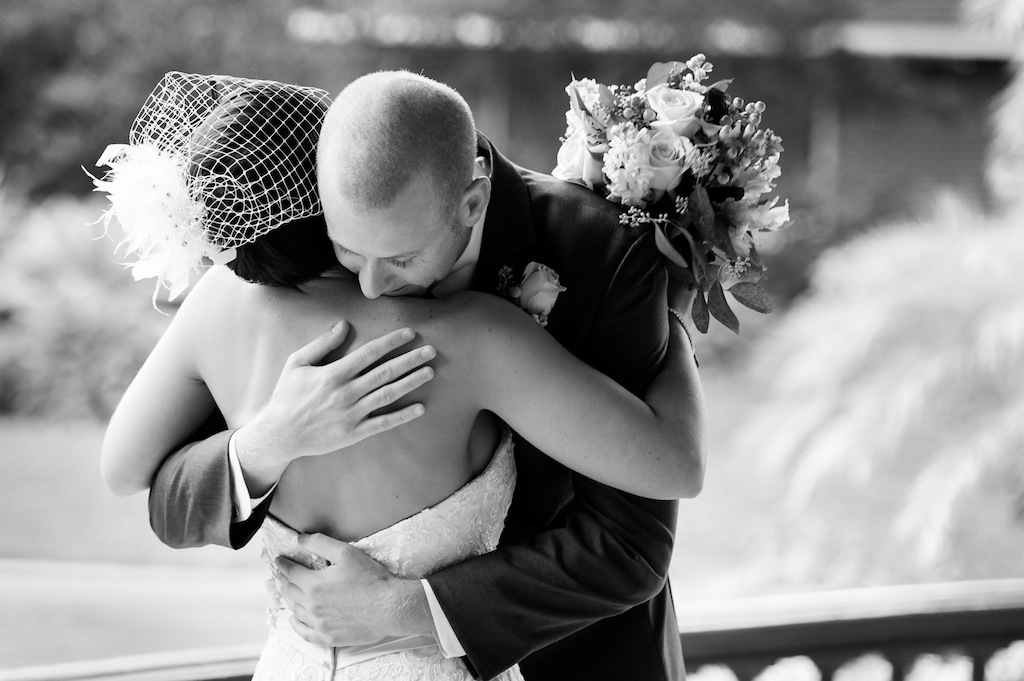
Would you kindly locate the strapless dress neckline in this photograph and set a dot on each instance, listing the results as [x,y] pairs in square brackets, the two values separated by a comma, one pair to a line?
[282,536]
[464,524]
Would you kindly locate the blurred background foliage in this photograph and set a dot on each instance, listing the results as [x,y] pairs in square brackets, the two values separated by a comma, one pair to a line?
[74,73]
[888,379]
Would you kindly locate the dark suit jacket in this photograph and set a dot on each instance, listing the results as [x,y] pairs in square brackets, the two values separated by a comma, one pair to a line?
[578,586]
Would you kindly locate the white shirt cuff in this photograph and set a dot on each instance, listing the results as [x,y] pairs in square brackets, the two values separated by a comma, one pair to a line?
[446,638]
[243,503]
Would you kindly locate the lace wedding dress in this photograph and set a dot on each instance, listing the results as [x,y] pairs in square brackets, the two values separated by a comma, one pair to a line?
[465,524]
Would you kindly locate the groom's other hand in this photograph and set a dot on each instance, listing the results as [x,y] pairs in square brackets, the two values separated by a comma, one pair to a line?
[353,601]
[319,408]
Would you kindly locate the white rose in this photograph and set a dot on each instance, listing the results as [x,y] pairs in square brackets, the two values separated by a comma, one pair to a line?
[576,162]
[678,110]
[539,291]
[668,160]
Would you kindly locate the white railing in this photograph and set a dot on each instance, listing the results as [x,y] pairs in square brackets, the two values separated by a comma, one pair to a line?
[974,619]
[901,623]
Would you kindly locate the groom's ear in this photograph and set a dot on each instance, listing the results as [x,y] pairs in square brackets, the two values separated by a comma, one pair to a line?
[475,200]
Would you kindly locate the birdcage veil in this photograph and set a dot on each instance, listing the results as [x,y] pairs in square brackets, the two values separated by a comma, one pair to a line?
[213,163]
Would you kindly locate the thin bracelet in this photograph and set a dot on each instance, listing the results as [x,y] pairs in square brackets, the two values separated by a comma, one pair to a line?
[686,330]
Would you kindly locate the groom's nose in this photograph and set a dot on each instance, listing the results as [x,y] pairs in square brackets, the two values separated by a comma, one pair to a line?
[374,280]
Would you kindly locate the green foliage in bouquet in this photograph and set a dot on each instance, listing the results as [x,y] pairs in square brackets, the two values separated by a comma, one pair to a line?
[691,162]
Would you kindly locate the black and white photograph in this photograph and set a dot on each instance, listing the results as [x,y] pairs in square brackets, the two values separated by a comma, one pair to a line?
[625,340]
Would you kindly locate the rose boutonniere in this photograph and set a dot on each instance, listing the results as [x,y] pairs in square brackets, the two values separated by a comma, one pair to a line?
[536,292]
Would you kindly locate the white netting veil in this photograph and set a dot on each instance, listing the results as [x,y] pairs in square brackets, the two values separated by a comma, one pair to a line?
[212,163]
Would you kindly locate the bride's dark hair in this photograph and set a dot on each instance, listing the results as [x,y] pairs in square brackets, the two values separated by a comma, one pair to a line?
[245,139]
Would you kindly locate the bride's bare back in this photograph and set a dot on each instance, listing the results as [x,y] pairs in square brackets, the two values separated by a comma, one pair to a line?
[242,336]
[230,340]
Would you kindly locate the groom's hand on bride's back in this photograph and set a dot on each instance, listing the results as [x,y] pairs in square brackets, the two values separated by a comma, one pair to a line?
[319,408]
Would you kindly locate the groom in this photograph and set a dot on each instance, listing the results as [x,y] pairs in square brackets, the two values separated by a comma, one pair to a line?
[577,588]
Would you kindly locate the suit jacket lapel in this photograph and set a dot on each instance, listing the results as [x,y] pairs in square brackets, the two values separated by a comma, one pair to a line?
[508,229]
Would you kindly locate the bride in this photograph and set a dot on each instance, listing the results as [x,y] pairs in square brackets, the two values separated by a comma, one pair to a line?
[415,498]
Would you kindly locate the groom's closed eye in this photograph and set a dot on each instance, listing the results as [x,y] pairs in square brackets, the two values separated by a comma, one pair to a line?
[400,262]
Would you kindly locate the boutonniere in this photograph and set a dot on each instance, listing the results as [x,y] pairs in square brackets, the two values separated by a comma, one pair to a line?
[536,292]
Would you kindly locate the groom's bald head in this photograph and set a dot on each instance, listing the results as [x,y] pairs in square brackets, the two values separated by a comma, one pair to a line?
[387,128]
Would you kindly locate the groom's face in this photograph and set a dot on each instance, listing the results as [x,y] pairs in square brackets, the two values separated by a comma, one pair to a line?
[401,250]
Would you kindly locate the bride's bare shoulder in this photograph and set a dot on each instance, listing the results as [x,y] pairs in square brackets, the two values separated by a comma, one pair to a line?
[215,281]
[471,316]
[210,296]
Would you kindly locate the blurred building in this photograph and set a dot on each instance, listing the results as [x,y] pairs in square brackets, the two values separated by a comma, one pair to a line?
[877,101]
[935,128]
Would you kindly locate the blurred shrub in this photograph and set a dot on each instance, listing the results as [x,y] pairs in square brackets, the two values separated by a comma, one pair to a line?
[74,327]
[906,356]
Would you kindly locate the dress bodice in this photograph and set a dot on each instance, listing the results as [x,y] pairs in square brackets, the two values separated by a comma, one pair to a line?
[466,523]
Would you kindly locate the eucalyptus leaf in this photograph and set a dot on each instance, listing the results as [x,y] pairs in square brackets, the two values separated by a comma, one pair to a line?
[752,296]
[699,312]
[658,73]
[673,228]
[720,309]
[666,248]
[700,268]
[703,213]
[680,274]
[579,102]
[684,221]
[722,85]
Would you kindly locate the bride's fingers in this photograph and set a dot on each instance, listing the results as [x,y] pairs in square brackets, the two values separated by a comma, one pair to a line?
[365,356]
[387,372]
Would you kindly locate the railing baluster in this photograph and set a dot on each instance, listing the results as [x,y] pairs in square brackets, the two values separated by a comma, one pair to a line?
[973,618]
[827,669]
[902,662]
[746,671]
[980,655]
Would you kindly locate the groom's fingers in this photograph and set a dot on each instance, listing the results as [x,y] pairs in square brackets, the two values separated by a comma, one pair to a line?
[331,549]
[392,392]
[365,356]
[385,375]
[307,632]
[379,424]
[292,596]
[292,573]
[313,352]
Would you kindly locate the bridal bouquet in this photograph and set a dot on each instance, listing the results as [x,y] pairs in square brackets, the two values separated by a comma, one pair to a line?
[691,162]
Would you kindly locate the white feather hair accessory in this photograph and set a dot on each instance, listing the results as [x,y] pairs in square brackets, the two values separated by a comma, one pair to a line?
[213,163]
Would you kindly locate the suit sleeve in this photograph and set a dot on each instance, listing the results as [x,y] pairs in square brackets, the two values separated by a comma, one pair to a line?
[190,501]
[608,551]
